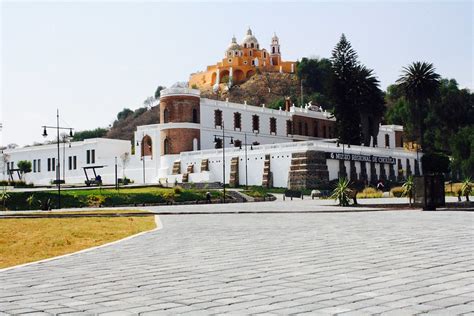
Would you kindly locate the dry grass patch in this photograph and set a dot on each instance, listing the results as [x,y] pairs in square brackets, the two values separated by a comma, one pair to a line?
[27,240]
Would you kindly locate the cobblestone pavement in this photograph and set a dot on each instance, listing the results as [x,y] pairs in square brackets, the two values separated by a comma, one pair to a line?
[399,263]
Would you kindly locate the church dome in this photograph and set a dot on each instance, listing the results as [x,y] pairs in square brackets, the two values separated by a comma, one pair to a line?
[233,46]
[249,39]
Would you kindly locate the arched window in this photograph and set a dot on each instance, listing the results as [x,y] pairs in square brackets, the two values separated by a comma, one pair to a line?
[252,45]
[147,149]
[387,140]
[250,53]
[195,144]
[195,116]
[245,45]
[166,146]
[166,116]
[273,50]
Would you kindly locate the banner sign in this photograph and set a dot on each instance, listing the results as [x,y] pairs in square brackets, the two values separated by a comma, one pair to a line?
[359,157]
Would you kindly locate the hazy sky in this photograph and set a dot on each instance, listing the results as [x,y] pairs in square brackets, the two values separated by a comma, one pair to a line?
[91,59]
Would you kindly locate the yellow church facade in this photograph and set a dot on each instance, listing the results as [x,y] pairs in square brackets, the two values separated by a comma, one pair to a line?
[241,61]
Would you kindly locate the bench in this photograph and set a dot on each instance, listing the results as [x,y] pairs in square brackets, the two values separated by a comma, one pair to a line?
[293,194]
[93,182]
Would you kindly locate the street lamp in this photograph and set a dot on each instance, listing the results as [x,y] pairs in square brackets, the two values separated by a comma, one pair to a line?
[216,139]
[58,165]
[141,143]
[251,148]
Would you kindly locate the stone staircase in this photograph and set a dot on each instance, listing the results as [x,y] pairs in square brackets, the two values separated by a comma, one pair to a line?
[267,181]
[189,169]
[308,170]
[204,165]
[234,172]
[176,167]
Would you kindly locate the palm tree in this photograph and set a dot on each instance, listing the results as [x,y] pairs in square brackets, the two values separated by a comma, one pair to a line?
[341,192]
[420,84]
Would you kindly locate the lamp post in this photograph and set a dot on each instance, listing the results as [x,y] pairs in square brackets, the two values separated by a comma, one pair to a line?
[140,143]
[251,148]
[58,165]
[216,138]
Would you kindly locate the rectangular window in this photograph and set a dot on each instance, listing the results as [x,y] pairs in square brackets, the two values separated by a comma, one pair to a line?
[289,128]
[49,164]
[53,164]
[88,156]
[273,125]
[316,129]
[218,118]
[34,165]
[237,121]
[93,156]
[69,163]
[39,165]
[255,123]
[74,160]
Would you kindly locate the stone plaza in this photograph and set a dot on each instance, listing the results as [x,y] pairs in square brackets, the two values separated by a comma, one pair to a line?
[314,263]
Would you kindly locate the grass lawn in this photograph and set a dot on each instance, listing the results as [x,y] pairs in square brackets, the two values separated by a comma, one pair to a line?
[32,239]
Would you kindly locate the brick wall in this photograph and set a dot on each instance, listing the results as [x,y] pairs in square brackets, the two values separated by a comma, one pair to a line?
[180,109]
[178,140]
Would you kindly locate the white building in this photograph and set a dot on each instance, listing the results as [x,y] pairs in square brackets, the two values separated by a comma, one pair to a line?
[287,147]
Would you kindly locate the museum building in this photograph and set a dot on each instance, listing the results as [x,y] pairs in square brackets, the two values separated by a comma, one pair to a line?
[198,139]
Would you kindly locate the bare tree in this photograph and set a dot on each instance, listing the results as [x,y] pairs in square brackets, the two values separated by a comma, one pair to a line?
[125,157]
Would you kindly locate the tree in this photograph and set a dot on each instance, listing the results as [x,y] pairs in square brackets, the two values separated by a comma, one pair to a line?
[157,92]
[149,102]
[344,63]
[124,114]
[24,166]
[420,85]
[125,157]
[93,133]
[462,146]
[355,92]
[316,75]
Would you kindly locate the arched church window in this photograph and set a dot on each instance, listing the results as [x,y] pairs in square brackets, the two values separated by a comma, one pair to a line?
[166,146]
[166,116]
[273,50]
[245,45]
[252,45]
[195,116]
[250,53]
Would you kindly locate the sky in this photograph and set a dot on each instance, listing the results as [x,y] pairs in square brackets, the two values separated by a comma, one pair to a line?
[91,59]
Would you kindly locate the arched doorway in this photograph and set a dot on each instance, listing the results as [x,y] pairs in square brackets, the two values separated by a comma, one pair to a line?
[238,76]
[146,148]
[224,76]
[166,146]
[250,73]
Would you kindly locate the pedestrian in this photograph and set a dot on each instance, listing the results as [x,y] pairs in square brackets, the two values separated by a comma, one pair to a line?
[380,185]
[208,197]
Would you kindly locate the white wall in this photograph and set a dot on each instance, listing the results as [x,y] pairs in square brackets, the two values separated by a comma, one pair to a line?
[105,152]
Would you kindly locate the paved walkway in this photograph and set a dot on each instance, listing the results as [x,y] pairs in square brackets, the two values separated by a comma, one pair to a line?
[401,262]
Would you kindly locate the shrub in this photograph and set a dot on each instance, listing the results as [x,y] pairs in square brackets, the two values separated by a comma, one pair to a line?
[178,189]
[169,196]
[341,192]
[95,200]
[397,191]
[369,193]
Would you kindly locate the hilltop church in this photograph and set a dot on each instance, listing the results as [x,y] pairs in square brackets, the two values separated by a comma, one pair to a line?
[241,62]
